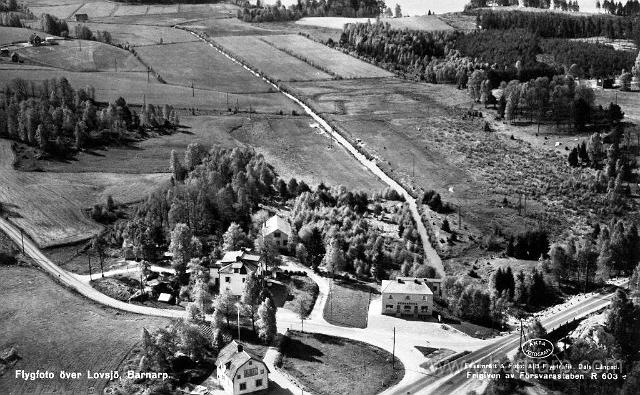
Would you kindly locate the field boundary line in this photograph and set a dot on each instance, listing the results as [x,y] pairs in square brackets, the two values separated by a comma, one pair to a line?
[431,256]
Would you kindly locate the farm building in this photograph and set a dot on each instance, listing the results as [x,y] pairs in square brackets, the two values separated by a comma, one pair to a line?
[82,17]
[239,371]
[15,57]
[407,297]
[278,230]
[235,266]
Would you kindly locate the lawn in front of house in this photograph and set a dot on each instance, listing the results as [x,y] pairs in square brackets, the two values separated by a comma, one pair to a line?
[347,305]
[328,365]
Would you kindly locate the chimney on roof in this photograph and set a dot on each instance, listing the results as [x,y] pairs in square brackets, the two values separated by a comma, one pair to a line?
[240,347]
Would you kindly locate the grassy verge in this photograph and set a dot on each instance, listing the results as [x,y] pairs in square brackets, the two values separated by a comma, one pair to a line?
[328,365]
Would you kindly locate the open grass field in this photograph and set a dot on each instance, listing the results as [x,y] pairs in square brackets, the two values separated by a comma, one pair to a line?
[328,365]
[347,305]
[9,35]
[325,58]
[98,9]
[152,155]
[54,329]
[198,63]
[262,57]
[167,15]
[137,35]
[81,55]
[296,149]
[48,206]
[135,89]
[293,147]
[215,27]
[62,11]
[425,23]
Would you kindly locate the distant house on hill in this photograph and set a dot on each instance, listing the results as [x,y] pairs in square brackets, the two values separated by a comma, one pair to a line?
[239,371]
[277,229]
[234,267]
[82,17]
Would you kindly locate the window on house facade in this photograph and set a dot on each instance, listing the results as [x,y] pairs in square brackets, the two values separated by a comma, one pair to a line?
[424,308]
[389,306]
[276,234]
[243,386]
[250,372]
[390,297]
[407,307]
[261,371]
[424,297]
[259,383]
[407,297]
[227,279]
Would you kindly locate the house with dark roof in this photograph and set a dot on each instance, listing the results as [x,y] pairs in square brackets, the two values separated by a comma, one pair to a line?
[233,269]
[278,230]
[407,297]
[240,371]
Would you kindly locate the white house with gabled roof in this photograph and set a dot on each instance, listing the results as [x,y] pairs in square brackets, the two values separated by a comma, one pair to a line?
[240,371]
[278,230]
[407,297]
[233,269]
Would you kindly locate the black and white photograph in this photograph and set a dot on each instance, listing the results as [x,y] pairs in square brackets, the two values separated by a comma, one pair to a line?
[319,197]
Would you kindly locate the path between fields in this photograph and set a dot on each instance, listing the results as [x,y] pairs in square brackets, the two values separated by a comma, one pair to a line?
[431,256]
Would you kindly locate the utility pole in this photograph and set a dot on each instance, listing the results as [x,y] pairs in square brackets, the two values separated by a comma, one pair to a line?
[148,72]
[521,333]
[115,64]
[525,204]
[393,355]
[193,91]
[238,308]
[413,166]
[227,100]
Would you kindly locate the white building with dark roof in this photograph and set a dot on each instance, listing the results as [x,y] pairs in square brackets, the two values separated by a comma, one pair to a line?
[233,269]
[239,371]
[277,229]
[407,297]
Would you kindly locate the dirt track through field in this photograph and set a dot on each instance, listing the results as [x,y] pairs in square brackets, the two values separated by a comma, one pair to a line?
[431,256]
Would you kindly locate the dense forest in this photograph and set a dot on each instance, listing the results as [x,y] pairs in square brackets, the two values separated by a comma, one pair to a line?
[631,7]
[214,203]
[555,25]
[60,120]
[314,8]
[563,5]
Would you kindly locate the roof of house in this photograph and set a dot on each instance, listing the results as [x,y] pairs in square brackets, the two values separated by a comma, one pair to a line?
[235,354]
[237,260]
[165,297]
[406,285]
[276,223]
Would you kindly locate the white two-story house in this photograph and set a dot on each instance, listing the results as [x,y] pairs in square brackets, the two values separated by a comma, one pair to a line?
[239,371]
[407,297]
[278,230]
[234,267]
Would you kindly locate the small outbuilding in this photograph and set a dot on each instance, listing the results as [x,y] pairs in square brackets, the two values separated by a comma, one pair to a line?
[82,17]
[15,57]
[165,298]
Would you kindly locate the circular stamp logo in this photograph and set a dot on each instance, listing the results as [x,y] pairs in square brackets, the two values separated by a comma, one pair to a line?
[537,348]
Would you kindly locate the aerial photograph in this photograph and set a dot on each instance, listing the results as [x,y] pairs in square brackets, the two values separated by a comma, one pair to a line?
[320,197]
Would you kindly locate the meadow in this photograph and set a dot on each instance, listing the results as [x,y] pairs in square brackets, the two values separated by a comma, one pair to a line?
[9,35]
[198,63]
[54,329]
[425,22]
[138,35]
[49,206]
[330,60]
[136,90]
[260,55]
[82,55]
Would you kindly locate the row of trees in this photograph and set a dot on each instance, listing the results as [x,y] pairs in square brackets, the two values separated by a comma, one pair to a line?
[630,7]
[563,5]
[313,8]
